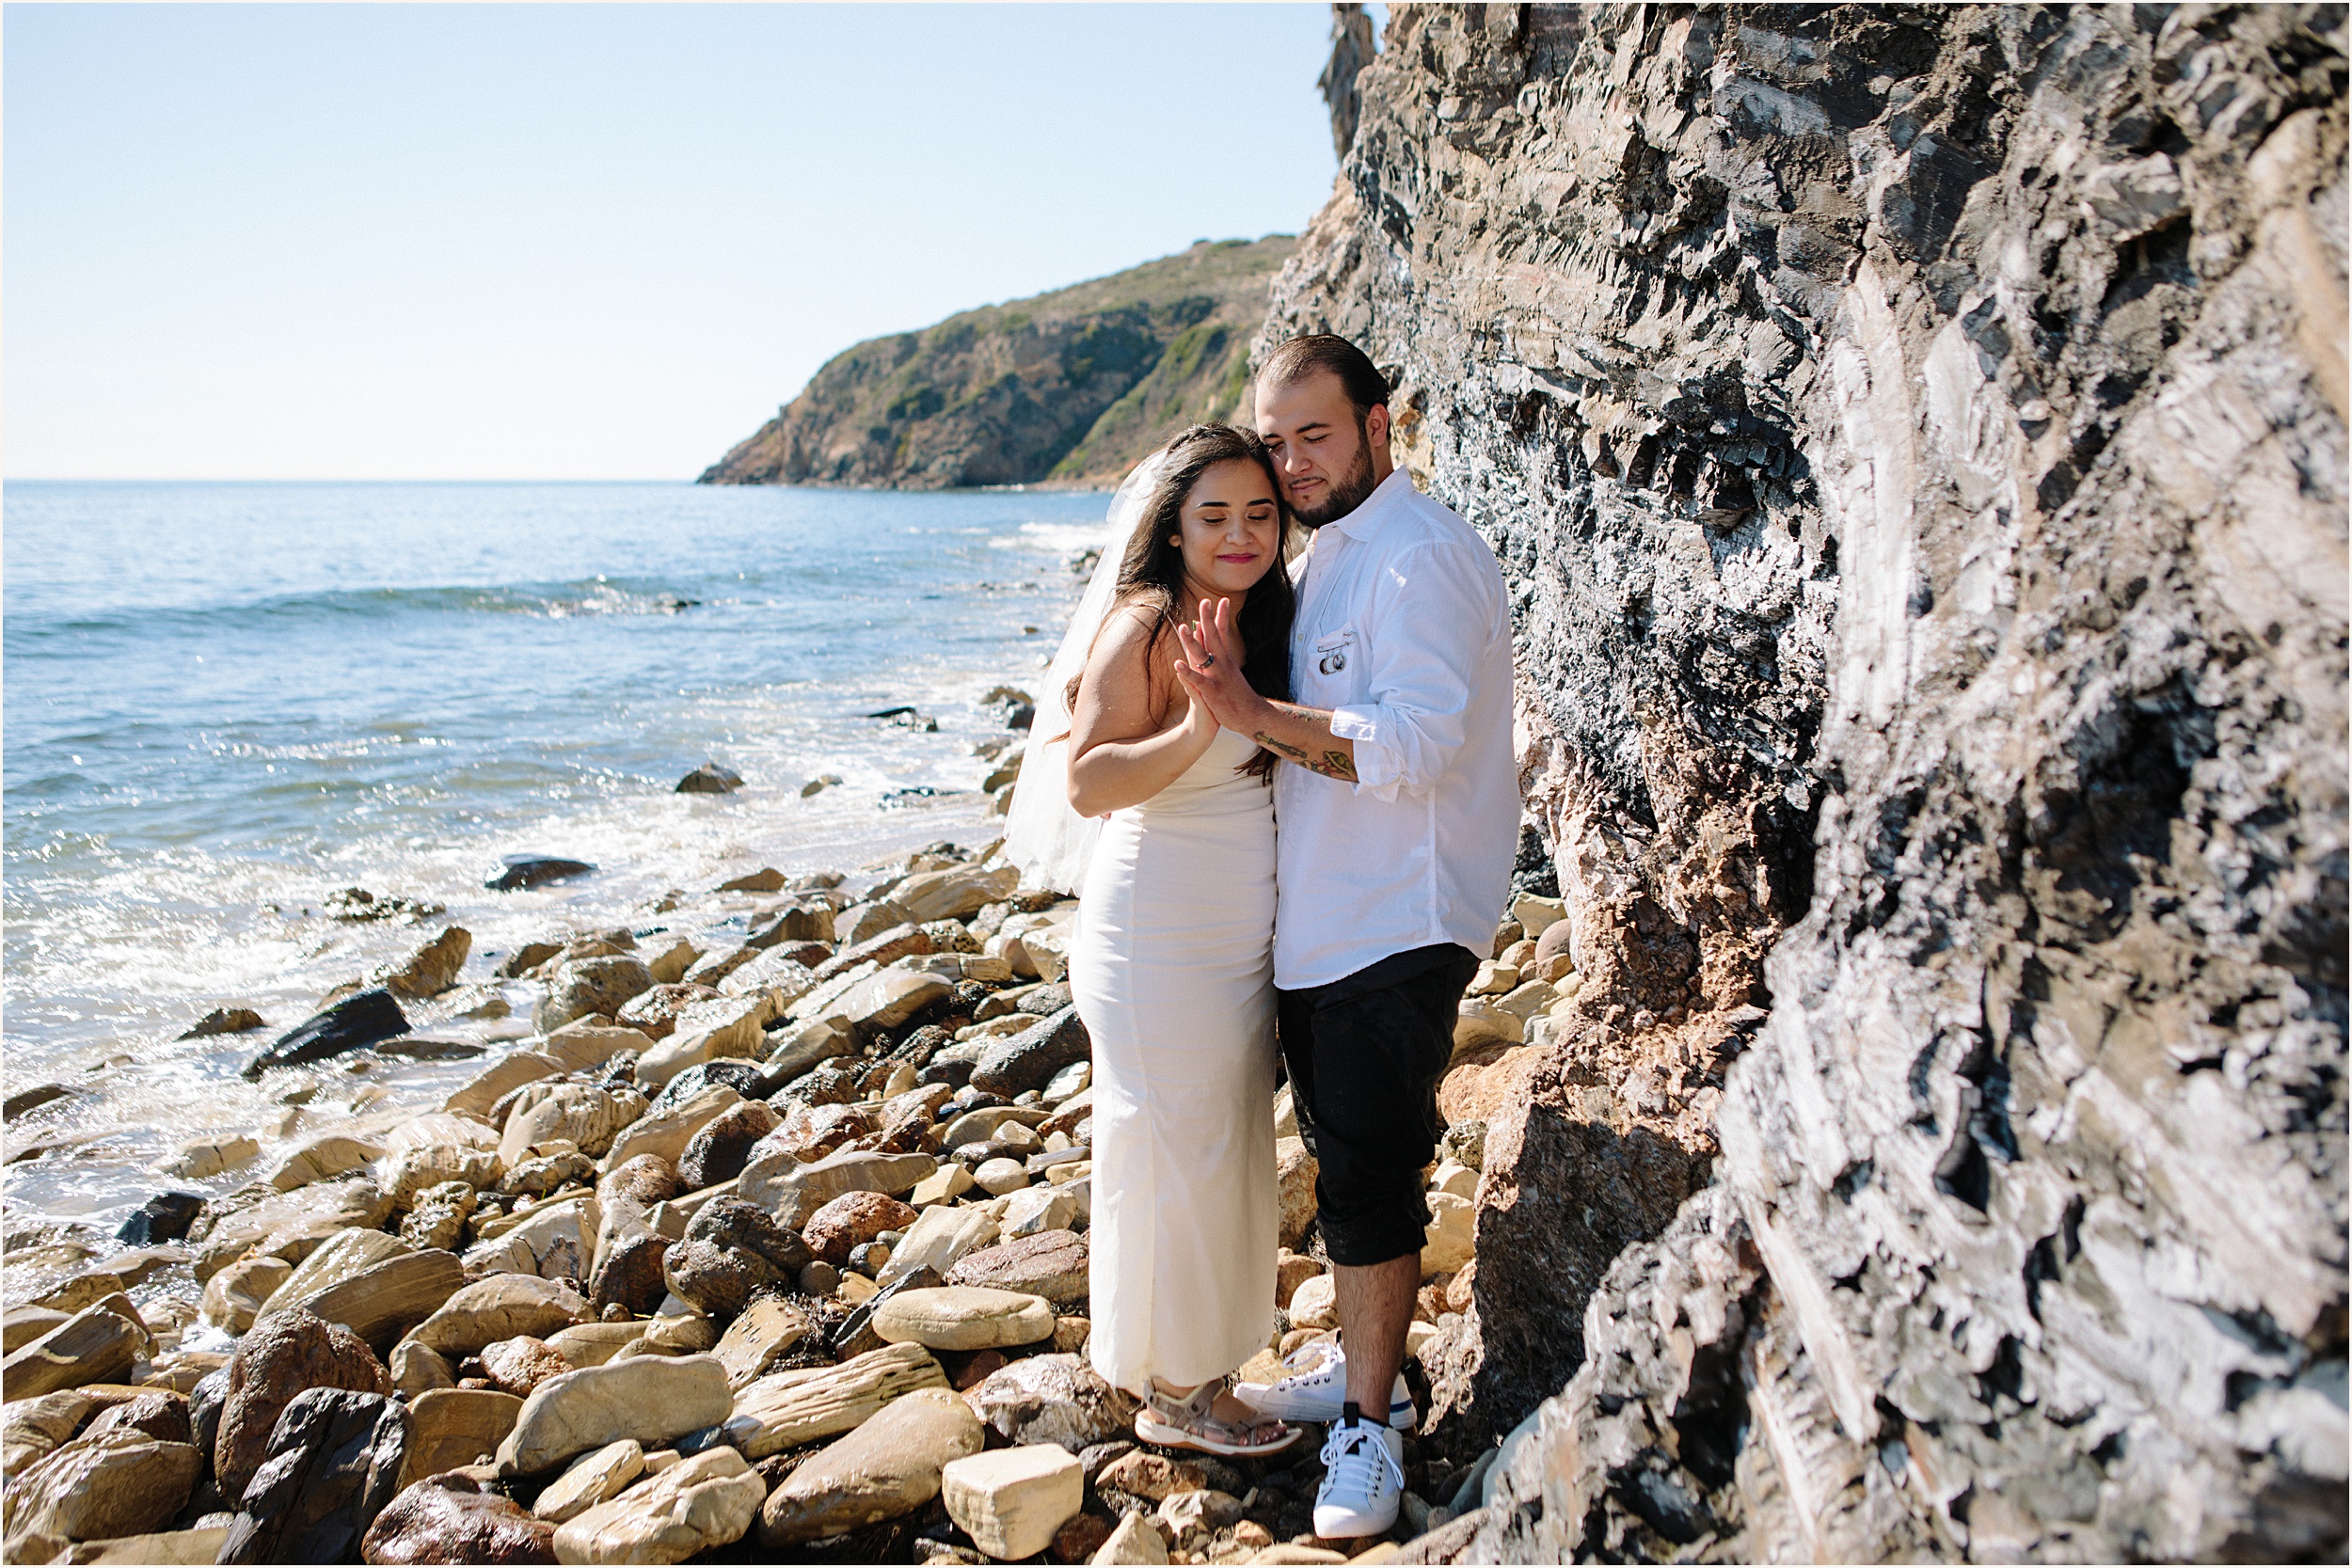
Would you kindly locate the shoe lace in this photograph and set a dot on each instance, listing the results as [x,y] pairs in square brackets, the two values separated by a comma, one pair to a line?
[1354,1459]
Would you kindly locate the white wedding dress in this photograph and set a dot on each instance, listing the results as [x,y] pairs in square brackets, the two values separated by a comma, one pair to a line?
[1172,971]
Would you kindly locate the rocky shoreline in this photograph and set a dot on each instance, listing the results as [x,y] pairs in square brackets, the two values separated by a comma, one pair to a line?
[768,1249]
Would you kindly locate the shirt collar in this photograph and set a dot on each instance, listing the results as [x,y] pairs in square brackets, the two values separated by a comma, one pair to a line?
[1364,522]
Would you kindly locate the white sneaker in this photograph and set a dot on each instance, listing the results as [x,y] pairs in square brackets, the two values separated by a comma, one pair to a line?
[1363,1480]
[1316,1389]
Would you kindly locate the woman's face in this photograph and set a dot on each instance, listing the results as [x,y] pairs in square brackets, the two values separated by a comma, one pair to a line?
[1232,529]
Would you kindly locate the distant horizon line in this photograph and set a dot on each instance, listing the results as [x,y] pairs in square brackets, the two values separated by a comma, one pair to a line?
[1056,487]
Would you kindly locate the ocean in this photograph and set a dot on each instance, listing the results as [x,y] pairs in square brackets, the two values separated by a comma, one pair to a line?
[224,702]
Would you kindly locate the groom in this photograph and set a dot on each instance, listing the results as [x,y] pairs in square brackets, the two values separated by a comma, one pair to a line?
[1398,827]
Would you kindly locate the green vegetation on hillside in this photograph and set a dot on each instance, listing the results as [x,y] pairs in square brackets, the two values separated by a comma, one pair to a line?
[1070,385]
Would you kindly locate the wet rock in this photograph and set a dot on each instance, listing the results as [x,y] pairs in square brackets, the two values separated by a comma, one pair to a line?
[450,1427]
[497,1309]
[1010,1501]
[791,1409]
[633,1275]
[388,1298]
[209,1156]
[652,1400]
[699,1503]
[220,1021]
[447,1519]
[515,872]
[962,1317]
[1052,1398]
[236,1294]
[321,1159]
[852,1219]
[104,1483]
[97,1344]
[432,968]
[284,1354]
[718,1152]
[286,1225]
[585,985]
[726,1027]
[712,779]
[164,1217]
[330,1465]
[885,1469]
[1052,1264]
[654,1013]
[351,1024]
[731,1250]
[582,1115]
[1030,1060]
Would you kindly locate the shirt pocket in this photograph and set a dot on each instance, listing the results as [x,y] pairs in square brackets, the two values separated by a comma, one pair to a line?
[1334,672]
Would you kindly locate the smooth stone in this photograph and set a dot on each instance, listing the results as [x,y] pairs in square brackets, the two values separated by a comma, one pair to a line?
[699,1503]
[1291,1271]
[98,1344]
[953,893]
[593,1479]
[164,1217]
[1030,1060]
[1315,1302]
[582,1115]
[651,1399]
[331,1462]
[667,1133]
[889,998]
[555,1241]
[1010,1501]
[712,779]
[290,1225]
[791,1409]
[780,1183]
[764,1333]
[449,1520]
[220,1021]
[234,1296]
[940,1236]
[519,1364]
[1449,1240]
[321,1159]
[164,1547]
[351,1025]
[431,968]
[1056,1398]
[116,1483]
[725,1027]
[886,1468]
[284,1356]
[450,1427]
[198,1158]
[24,1325]
[1000,1175]
[497,1309]
[958,1318]
[382,1302]
[1050,1263]
[1295,1172]
[590,986]
[417,1370]
[944,1185]
[593,1344]
[719,1152]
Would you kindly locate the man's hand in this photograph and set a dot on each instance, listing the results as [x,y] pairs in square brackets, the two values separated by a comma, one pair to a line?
[1211,670]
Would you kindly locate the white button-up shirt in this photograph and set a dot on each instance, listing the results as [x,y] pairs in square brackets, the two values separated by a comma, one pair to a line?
[1403,632]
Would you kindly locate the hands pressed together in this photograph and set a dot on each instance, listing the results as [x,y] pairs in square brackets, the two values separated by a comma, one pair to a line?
[1211,672]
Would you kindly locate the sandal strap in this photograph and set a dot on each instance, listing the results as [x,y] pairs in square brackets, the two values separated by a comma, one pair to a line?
[1191,1408]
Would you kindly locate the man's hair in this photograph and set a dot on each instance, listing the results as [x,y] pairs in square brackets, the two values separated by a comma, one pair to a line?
[1318,352]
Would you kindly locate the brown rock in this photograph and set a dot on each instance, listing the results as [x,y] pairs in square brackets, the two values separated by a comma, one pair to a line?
[633,1275]
[497,1309]
[585,985]
[114,1483]
[285,1355]
[97,1344]
[768,1330]
[1152,1477]
[731,1250]
[1052,1264]
[852,1220]
[455,1426]
[649,1178]
[522,1364]
[1078,1539]
[448,1519]
[1052,1398]
[383,1302]
[717,1153]
[654,1013]
[886,1468]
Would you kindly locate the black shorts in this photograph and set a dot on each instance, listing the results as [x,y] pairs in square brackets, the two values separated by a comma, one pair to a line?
[1366,1055]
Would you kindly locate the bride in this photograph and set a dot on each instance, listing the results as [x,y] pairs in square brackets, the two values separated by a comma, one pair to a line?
[1172,968]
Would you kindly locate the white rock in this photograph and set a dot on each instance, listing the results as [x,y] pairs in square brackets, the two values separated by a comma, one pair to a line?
[939,1236]
[593,1479]
[1011,1501]
[1452,1227]
[1002,1174]
[1316,1304]
[1135,1539]
[1035,1209]
[693,1506]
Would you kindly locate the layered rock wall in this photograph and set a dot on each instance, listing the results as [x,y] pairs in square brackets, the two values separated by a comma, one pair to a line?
[1915,439]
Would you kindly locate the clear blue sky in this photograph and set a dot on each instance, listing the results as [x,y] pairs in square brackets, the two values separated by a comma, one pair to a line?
[580,241]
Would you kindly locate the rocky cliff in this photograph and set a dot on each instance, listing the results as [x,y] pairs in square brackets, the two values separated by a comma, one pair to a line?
[1074,385]
[1915,436]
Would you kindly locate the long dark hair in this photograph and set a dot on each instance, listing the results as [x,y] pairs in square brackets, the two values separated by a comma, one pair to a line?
[1151,572]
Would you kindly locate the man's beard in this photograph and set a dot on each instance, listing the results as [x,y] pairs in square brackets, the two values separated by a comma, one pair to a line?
[1345,494]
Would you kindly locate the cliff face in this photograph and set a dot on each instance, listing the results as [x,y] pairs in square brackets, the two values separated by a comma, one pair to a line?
[1917,440]
[1077,383]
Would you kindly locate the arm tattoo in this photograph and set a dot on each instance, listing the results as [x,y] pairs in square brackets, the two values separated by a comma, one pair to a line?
[1333,765]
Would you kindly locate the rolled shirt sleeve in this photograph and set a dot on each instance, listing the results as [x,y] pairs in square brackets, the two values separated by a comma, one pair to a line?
[1414,726]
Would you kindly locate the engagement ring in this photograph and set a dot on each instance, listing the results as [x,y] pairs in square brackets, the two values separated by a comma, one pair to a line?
[1207,659]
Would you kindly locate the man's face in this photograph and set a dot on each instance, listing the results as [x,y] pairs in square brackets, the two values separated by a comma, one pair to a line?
[1329,460]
